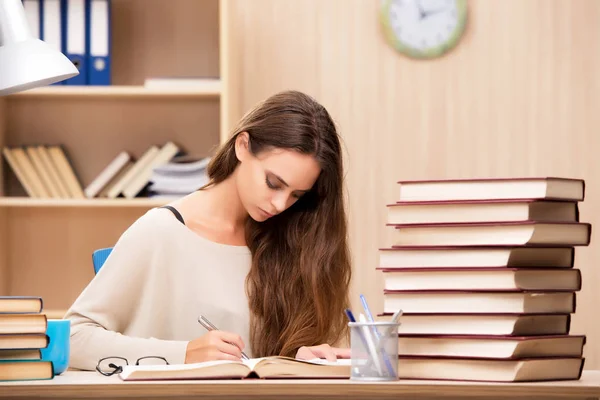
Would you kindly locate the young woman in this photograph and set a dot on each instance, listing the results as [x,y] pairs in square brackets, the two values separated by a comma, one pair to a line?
[261,252]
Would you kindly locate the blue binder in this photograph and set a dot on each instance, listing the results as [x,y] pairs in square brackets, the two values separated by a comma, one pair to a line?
[98,44]
[74,35]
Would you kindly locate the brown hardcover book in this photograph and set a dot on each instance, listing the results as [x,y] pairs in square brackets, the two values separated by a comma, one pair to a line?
[491,370]
[482,324]
[475,257]
[487,302]
[20,304]
[513,347]
[20,173]
[23,323]
[526,233]
[551,188]
[552,279]
[29,170]
[426,212]
[65,169]
[27,354]
[23,341]
[25,370]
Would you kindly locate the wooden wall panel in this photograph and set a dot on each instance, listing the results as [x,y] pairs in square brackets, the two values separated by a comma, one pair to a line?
[164,38]
[518,96]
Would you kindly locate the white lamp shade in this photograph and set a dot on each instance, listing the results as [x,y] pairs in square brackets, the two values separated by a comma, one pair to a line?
[30,64]
[26,62]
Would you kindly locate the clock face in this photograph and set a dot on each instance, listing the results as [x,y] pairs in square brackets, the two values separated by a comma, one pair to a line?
[423,28]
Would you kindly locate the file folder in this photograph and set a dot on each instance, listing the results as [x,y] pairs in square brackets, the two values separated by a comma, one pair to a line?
[75,39]
[51,25]
[33,14]
[98,42]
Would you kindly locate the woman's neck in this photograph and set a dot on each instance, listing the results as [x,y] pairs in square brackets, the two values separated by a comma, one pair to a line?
[218,206]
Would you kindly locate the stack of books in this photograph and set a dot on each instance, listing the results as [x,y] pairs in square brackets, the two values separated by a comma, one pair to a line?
[483,270]
[44,171]
[179,177]
[22,336]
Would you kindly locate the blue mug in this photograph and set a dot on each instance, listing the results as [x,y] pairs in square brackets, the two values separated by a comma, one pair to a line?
[58,349]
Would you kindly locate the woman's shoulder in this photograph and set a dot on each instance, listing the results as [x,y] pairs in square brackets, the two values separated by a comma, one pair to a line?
[156,222]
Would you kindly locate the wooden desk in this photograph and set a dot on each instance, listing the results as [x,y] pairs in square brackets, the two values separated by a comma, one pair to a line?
[93,385]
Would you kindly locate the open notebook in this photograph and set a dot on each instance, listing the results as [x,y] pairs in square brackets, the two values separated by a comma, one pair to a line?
[267,367]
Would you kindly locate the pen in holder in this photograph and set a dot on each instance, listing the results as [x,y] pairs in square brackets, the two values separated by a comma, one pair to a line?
[374,350]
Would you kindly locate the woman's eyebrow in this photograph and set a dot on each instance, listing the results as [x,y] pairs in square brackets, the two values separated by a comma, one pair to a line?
[280,179]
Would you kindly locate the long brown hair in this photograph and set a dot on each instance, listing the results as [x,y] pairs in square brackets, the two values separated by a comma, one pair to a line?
[298,282]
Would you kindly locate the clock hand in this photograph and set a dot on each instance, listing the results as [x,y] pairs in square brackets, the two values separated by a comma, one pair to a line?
[422,13]
[425,14]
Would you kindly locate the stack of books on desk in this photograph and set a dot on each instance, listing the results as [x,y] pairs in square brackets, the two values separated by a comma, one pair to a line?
[22,336]
[484,273]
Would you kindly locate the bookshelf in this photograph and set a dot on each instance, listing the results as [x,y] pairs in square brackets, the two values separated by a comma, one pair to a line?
[46,244]
[117,92]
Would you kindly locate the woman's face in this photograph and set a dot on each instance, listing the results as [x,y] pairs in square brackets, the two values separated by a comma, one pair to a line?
[273,180]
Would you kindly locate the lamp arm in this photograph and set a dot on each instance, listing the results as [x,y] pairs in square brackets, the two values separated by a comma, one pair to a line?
[13,22]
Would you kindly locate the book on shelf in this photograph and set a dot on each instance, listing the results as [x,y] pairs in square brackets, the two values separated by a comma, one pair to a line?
[179,177]
[512,210]
[492,188]
[490,370]
[59,158]
[209,84]
[142,177]
[482,324]
[502,347]
[115,180]
[117,188]
[543,279]
[523,233]
[103,179]
[44,171]
[267,367]
[56,179]
[476,257]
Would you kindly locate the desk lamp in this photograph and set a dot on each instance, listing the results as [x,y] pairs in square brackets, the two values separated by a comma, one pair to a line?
[26,62]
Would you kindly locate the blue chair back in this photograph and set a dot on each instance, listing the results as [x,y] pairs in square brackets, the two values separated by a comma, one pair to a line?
[99,257]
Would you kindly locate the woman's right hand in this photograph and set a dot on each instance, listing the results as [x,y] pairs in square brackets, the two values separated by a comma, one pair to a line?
[215,345]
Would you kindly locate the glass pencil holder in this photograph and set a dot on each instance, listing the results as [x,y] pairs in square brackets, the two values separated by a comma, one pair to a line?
[374,351]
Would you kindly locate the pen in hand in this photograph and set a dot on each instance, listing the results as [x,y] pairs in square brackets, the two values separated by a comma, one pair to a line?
[210,327]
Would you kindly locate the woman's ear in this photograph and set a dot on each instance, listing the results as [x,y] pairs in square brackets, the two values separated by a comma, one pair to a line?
[242,143]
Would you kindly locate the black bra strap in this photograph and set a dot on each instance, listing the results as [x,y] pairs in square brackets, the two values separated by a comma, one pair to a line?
[175,212]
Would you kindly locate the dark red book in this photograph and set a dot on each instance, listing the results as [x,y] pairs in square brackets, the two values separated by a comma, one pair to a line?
[481,324]
[513,347]
[509,279]
[464,211]
[476,257]
[552,188]
[523,233]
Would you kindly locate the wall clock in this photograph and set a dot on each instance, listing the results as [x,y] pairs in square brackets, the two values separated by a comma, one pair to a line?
[423,28]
